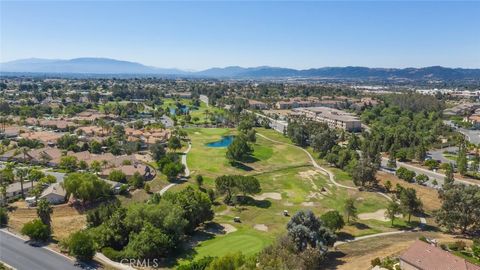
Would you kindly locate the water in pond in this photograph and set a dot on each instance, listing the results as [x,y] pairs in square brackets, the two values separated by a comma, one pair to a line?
[173,110]
[224,142]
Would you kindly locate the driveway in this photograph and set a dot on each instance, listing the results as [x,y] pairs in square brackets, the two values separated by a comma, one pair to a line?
[20,255]
[438,154]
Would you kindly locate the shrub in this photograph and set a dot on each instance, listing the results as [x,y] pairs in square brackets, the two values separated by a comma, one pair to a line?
[112,254]
[81,245]
[117,176]
[201,264]
[36,230]
[376,262]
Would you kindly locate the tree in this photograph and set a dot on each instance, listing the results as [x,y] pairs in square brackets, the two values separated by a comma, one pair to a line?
[36,230]
[147,188]
[251,135]
[136,180]
[69,163]
[393,209]
[409,203]
[95,147]
[225,185]
[364,173]
[462,162]
[449,178]
[405,174]
[117,176]
[388,185]
[350,209]
[392,161]
[239,149]
[86,187]
[81,245]
[96,166]
[21,174]
[150,242]
[431,164]
[333,220]
[422,179]
[460,208]
[44,211]
[172,170]
[174,143]
[35,175]
[247,185]
[158,151]
[196,205]
[306,231]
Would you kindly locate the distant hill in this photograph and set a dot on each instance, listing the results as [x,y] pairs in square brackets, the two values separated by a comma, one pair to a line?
[111,66]
[82,65]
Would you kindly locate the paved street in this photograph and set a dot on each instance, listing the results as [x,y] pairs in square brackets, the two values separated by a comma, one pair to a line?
[473,136]
[438,154]
[22,256]
[431,174]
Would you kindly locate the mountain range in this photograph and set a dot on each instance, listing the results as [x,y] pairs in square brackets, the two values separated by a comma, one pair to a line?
[111,66]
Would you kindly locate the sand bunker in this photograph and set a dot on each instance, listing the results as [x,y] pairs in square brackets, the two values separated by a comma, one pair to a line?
[261,227]
[223,228]
[308,204]
[378,215]
[269,195]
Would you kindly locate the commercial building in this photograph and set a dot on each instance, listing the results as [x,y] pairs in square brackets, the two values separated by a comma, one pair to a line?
[332,117]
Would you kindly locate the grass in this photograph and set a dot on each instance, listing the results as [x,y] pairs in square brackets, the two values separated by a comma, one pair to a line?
[247,241]
[199,112]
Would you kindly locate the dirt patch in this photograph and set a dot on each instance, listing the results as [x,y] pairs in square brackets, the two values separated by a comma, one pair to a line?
[378,215]
[261,227]
[269,195]
[429,196]
[288,204]
[65,219]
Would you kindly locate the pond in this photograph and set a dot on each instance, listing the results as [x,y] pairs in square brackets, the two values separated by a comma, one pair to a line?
[173,110]
[224,142]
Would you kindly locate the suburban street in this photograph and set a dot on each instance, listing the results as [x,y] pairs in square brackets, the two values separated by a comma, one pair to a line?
[20,255]
[431,174]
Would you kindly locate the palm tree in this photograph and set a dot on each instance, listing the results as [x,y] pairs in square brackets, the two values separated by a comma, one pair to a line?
[44,210]
[21,173]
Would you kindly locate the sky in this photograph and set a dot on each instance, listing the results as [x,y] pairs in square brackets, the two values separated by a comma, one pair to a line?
[199,35]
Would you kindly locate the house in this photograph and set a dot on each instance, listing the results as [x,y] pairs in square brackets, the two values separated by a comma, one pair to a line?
[424,256]
[332,117]
[15,189]
[54,194]
[46,137]
[47,155]
[129,170]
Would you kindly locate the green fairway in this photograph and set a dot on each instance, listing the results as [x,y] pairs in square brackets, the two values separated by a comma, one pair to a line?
[247,241]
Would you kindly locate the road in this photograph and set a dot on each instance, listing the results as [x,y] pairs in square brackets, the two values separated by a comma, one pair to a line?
[431,174]
[473,136]
[20,255]
[438,154]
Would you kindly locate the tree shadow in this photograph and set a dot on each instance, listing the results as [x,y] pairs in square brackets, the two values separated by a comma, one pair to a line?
[343,236]
[333,259]
[241,166]
[250,159]
[361,226]
[249,201]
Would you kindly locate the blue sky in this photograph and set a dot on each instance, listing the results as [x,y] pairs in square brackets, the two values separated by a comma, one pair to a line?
[198,35]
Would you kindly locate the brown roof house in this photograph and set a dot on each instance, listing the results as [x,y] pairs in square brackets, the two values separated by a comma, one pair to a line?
[424,256]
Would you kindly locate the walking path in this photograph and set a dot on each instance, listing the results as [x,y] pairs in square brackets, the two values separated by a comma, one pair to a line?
[187,170]
[331,176]
[338,243]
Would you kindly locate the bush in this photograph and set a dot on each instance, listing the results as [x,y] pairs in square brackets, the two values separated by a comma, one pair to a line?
[201,264]
[117,176]
[112,254]
[36,230]
[3,216]
[376,262]
[81,245]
